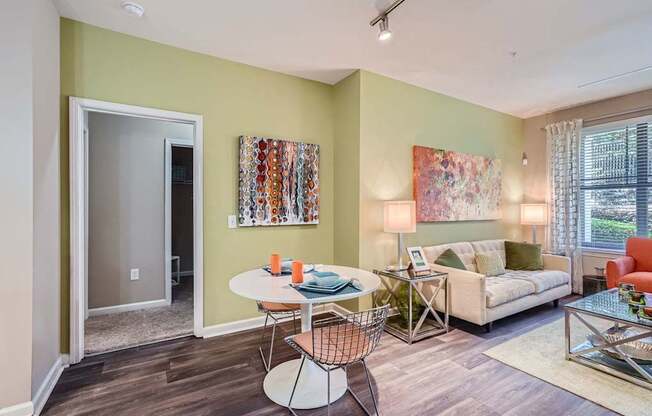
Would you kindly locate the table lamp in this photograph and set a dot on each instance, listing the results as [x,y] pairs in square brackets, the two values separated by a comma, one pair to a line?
[399,218]
[534,214]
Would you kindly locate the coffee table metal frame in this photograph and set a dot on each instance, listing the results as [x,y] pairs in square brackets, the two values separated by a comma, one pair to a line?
[414,332]
[580,353]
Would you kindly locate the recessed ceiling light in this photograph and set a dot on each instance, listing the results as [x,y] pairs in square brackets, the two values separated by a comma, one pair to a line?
[133,8]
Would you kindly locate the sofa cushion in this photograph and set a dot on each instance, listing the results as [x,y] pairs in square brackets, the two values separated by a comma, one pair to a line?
[489,264]
[490,246]
[463,250]
[449,259]
[502,290]
[523,256]
[641,249]
[642,280]
[541,279]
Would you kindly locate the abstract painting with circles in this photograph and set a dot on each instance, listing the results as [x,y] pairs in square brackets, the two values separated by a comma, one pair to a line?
[279,182]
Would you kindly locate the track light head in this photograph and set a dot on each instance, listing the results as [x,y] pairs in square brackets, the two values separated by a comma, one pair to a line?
[384,34]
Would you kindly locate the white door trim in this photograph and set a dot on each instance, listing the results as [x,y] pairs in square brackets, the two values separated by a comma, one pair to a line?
[169,143]
[79,108]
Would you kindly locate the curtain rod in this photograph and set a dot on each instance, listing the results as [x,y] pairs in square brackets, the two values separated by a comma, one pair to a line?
[621,113]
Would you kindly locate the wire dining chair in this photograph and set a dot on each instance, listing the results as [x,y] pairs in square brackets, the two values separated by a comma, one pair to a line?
[338,342]
[275,312]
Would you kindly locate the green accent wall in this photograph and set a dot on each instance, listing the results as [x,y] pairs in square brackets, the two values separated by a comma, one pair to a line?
[234,99]
[395,116]
[347,173]
[366,126]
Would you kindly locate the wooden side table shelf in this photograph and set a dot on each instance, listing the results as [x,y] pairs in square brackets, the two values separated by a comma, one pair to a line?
[426,326]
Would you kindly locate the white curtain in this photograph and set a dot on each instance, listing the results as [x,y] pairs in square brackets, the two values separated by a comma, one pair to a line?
[563,141]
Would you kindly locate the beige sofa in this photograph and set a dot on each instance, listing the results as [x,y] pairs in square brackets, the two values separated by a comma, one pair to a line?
[481,299]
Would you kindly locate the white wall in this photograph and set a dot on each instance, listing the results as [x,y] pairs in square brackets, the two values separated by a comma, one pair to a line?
[47,254]
[126,207]
[16,249]
[29,220]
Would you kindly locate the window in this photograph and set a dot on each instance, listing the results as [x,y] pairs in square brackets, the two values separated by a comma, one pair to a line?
[616,183]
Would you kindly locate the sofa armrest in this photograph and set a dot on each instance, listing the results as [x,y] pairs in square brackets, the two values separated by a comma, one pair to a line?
[617,268]
[554,262]
[467,294]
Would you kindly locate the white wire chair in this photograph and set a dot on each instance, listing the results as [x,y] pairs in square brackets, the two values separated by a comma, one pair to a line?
[339,342]
[275,312]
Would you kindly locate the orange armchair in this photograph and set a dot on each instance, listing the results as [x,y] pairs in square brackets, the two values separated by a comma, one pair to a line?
[635,267]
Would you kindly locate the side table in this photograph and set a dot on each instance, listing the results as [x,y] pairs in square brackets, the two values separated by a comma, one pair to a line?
[593,284]
[426,326]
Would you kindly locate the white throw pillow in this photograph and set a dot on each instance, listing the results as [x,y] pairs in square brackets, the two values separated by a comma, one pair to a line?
[489,264]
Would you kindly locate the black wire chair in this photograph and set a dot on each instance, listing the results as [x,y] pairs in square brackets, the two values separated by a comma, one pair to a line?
[338,342]
[275,312]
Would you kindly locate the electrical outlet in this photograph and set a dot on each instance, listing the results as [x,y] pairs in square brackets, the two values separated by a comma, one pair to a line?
[232,221]
[135,274]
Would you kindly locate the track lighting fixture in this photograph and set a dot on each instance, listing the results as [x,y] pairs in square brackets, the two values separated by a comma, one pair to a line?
[382,20]
[385,33]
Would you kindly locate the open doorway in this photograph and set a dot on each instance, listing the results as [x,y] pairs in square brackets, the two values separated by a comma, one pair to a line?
[136,258]
[133,298]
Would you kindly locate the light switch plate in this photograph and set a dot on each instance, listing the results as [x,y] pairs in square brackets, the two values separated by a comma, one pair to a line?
[135,274]
[232,221]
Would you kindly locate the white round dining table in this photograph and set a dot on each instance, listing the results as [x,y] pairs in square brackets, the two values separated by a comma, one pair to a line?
[311,391]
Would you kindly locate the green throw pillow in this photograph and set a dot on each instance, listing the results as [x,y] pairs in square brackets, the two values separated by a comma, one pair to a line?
[449,259]
[523,256]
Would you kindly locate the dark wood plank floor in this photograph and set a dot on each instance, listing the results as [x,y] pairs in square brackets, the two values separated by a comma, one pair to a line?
[446,375]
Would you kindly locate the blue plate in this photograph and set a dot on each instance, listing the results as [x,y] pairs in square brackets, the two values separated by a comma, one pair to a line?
[323,289]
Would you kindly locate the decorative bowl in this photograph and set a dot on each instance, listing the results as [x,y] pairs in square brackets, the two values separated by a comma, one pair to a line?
[636,296]
[640,350]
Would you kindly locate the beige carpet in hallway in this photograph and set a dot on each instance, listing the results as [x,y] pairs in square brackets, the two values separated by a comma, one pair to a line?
[112,332]
[541,354]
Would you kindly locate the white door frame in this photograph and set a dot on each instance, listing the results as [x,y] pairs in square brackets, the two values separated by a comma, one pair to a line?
[79,109]
[169,143]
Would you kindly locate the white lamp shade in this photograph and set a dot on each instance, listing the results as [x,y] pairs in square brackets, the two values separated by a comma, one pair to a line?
[534,214]
[400,217]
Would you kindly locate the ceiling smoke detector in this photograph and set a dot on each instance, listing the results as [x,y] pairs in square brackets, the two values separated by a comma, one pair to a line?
[132,8]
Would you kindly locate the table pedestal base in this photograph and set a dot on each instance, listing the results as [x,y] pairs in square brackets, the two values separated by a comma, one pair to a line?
[311,389]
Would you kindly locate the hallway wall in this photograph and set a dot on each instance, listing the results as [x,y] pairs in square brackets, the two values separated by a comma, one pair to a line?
[126,207]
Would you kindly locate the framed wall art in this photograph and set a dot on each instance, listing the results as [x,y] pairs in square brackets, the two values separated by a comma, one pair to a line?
[453,186]
[278,182]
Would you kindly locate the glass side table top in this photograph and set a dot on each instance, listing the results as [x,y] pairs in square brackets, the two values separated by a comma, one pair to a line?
[408,276]
[607,304]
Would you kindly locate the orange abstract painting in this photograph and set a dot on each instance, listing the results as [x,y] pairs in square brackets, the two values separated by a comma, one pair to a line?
[452,186]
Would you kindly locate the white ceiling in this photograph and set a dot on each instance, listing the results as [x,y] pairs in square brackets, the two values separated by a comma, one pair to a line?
[456,47]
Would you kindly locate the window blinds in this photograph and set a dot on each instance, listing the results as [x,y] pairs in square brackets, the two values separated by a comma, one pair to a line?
[616,183]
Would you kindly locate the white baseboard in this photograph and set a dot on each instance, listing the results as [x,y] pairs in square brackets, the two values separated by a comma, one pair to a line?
[46,387]
[127,307]
[22,409]
[259,321]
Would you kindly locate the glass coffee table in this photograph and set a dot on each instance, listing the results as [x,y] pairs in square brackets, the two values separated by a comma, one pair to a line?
[619,342]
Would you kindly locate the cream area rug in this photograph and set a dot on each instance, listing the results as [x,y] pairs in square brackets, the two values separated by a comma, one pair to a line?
[541,353]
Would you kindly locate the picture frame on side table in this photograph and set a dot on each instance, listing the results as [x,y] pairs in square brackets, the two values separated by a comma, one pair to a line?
[418,259]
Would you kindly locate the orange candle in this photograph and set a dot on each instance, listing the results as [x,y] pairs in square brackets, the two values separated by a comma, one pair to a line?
[275,264]
[297,272]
